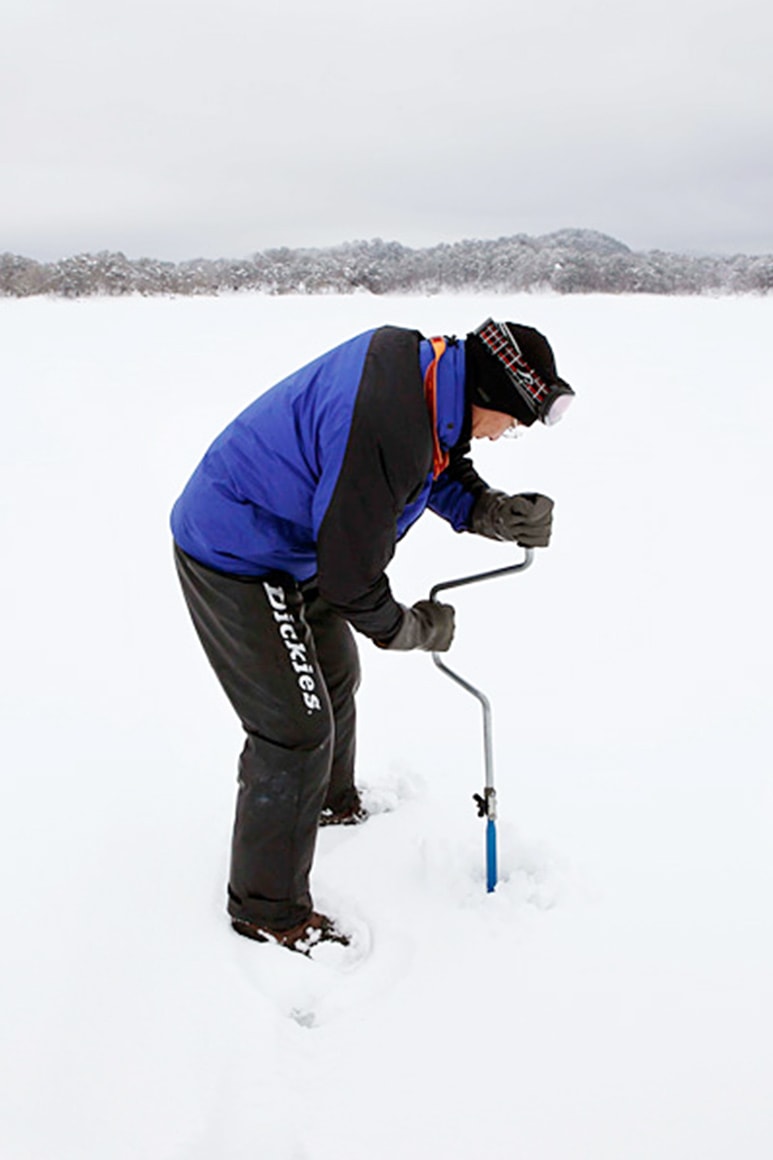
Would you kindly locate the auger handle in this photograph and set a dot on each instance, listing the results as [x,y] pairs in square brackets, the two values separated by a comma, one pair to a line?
[464,580]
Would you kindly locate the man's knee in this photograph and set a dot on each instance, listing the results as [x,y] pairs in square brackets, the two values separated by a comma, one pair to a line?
[276,769]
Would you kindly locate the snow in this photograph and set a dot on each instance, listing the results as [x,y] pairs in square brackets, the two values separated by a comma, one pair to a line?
[613,998]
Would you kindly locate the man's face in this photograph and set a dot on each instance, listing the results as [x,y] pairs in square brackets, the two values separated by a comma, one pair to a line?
[490,424]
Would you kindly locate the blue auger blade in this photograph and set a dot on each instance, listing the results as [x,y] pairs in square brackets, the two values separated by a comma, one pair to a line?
[491,856]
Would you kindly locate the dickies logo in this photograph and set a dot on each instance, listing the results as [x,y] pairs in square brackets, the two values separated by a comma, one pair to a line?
[296,649]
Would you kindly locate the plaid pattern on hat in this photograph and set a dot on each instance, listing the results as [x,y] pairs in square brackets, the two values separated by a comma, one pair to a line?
[511,368]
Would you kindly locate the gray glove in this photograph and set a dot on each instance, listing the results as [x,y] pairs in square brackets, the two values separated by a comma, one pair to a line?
[428,625]
[526,518]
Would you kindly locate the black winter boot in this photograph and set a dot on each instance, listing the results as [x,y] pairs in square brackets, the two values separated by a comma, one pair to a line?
[348,811]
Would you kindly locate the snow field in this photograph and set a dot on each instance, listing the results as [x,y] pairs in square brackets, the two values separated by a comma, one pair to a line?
[613,998]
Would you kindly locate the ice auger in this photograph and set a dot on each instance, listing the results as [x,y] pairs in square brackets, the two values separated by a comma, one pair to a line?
[487,801]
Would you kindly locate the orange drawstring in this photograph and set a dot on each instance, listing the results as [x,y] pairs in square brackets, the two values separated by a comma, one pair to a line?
[440,458]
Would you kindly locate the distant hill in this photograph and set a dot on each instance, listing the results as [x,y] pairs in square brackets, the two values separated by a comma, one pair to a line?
[568,261]
[583,241]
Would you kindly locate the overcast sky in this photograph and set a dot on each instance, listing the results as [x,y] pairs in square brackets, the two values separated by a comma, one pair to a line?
[179,128]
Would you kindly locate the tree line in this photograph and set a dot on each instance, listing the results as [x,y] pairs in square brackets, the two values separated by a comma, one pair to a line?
[565,262]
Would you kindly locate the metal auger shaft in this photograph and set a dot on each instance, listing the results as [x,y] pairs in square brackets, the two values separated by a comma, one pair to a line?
[487,801]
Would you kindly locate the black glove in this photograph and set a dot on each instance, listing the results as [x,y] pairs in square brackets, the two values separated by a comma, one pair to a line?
[428,625]
[526,518]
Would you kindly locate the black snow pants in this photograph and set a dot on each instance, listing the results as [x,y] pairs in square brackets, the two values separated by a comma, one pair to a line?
[289,666]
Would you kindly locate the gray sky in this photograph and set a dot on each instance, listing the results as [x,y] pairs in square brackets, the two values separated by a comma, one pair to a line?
[178,128]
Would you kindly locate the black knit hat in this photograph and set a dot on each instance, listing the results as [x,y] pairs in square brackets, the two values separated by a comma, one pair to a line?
[511,368]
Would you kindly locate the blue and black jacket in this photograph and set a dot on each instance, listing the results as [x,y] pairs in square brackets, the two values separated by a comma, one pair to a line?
[322,475]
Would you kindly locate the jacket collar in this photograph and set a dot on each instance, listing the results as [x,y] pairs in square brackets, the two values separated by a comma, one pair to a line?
[450,390]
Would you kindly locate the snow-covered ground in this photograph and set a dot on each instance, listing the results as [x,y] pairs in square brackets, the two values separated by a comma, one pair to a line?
[613,1000]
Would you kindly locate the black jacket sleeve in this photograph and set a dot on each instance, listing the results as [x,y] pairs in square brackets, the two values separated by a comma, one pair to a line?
[455,491]
[387,458]
[460,469]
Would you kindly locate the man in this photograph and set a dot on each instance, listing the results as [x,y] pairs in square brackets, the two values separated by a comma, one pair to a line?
[282,536]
